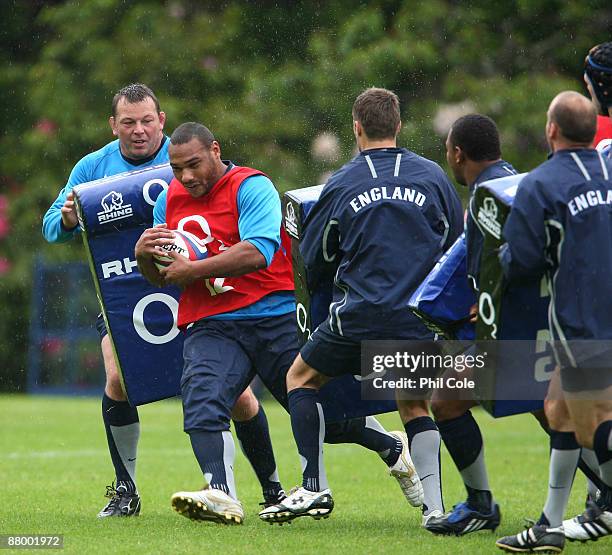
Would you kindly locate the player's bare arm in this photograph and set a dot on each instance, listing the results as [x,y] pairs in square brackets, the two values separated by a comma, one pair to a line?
[240,259]
[147,245]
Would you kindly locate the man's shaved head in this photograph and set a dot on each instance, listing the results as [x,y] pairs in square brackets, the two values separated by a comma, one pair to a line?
[575,116]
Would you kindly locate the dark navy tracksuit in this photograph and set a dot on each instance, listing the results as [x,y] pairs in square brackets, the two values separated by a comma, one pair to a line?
[379,226]
[561,225]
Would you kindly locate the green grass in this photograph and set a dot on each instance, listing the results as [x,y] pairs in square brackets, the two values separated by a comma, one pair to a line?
[54,466]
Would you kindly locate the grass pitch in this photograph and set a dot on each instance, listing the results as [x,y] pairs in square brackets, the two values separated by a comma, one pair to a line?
[54,467]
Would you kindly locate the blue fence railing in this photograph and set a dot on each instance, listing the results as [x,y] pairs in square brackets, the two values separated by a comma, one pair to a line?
[64,354]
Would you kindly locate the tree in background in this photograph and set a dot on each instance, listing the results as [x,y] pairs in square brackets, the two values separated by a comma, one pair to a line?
[276,81]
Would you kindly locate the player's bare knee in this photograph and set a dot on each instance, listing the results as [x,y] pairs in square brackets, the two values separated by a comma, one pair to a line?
[246,407]
[447,410]
[113,387]
[557,415]
[584,436]
[108,356]
[302,375]
[550,412]
[440,409]
[587,420]
[410,409]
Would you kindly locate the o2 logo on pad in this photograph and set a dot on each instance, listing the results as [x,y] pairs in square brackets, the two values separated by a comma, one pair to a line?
[486,312]
[113,208]
[146,190]
[303,320]
[146,332]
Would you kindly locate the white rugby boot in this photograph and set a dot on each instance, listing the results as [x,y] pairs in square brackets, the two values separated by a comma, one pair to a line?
[299,502]
[405,473]
[208,504]
[594,523]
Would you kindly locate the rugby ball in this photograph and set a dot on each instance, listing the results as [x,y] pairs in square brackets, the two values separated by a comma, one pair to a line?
[184,244]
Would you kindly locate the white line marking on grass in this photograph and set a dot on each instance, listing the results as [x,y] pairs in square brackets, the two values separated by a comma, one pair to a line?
[65,453]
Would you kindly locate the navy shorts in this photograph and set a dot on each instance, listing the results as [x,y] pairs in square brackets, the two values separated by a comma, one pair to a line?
[335,356]
[590,369]
[221,357]
[576,380]
[331,354]
[101,326]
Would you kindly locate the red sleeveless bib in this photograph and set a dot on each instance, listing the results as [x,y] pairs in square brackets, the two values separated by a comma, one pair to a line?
[213,219]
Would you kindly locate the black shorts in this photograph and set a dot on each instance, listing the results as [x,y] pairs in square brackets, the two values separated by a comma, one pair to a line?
[331,354]
[335,356]
[574,380]
[101,326]
[221,357]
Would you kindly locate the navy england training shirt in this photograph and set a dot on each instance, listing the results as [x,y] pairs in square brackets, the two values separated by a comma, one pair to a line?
[381,223]
[560,225]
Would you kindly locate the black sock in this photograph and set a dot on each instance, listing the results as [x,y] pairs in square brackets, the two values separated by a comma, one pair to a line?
[122,432]
[254,438]
[308,426]
[367,432]
[479,499]
[602,445]
[543,521]
[215,454]
[463,440]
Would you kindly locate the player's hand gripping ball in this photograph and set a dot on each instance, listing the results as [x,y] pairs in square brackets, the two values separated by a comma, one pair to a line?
[184,244]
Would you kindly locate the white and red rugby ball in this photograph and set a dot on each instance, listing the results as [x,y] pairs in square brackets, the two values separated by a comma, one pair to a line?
[184,244]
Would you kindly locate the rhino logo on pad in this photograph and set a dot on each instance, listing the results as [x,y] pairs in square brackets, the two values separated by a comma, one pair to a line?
[487,217]
[113,208]
[291,225]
